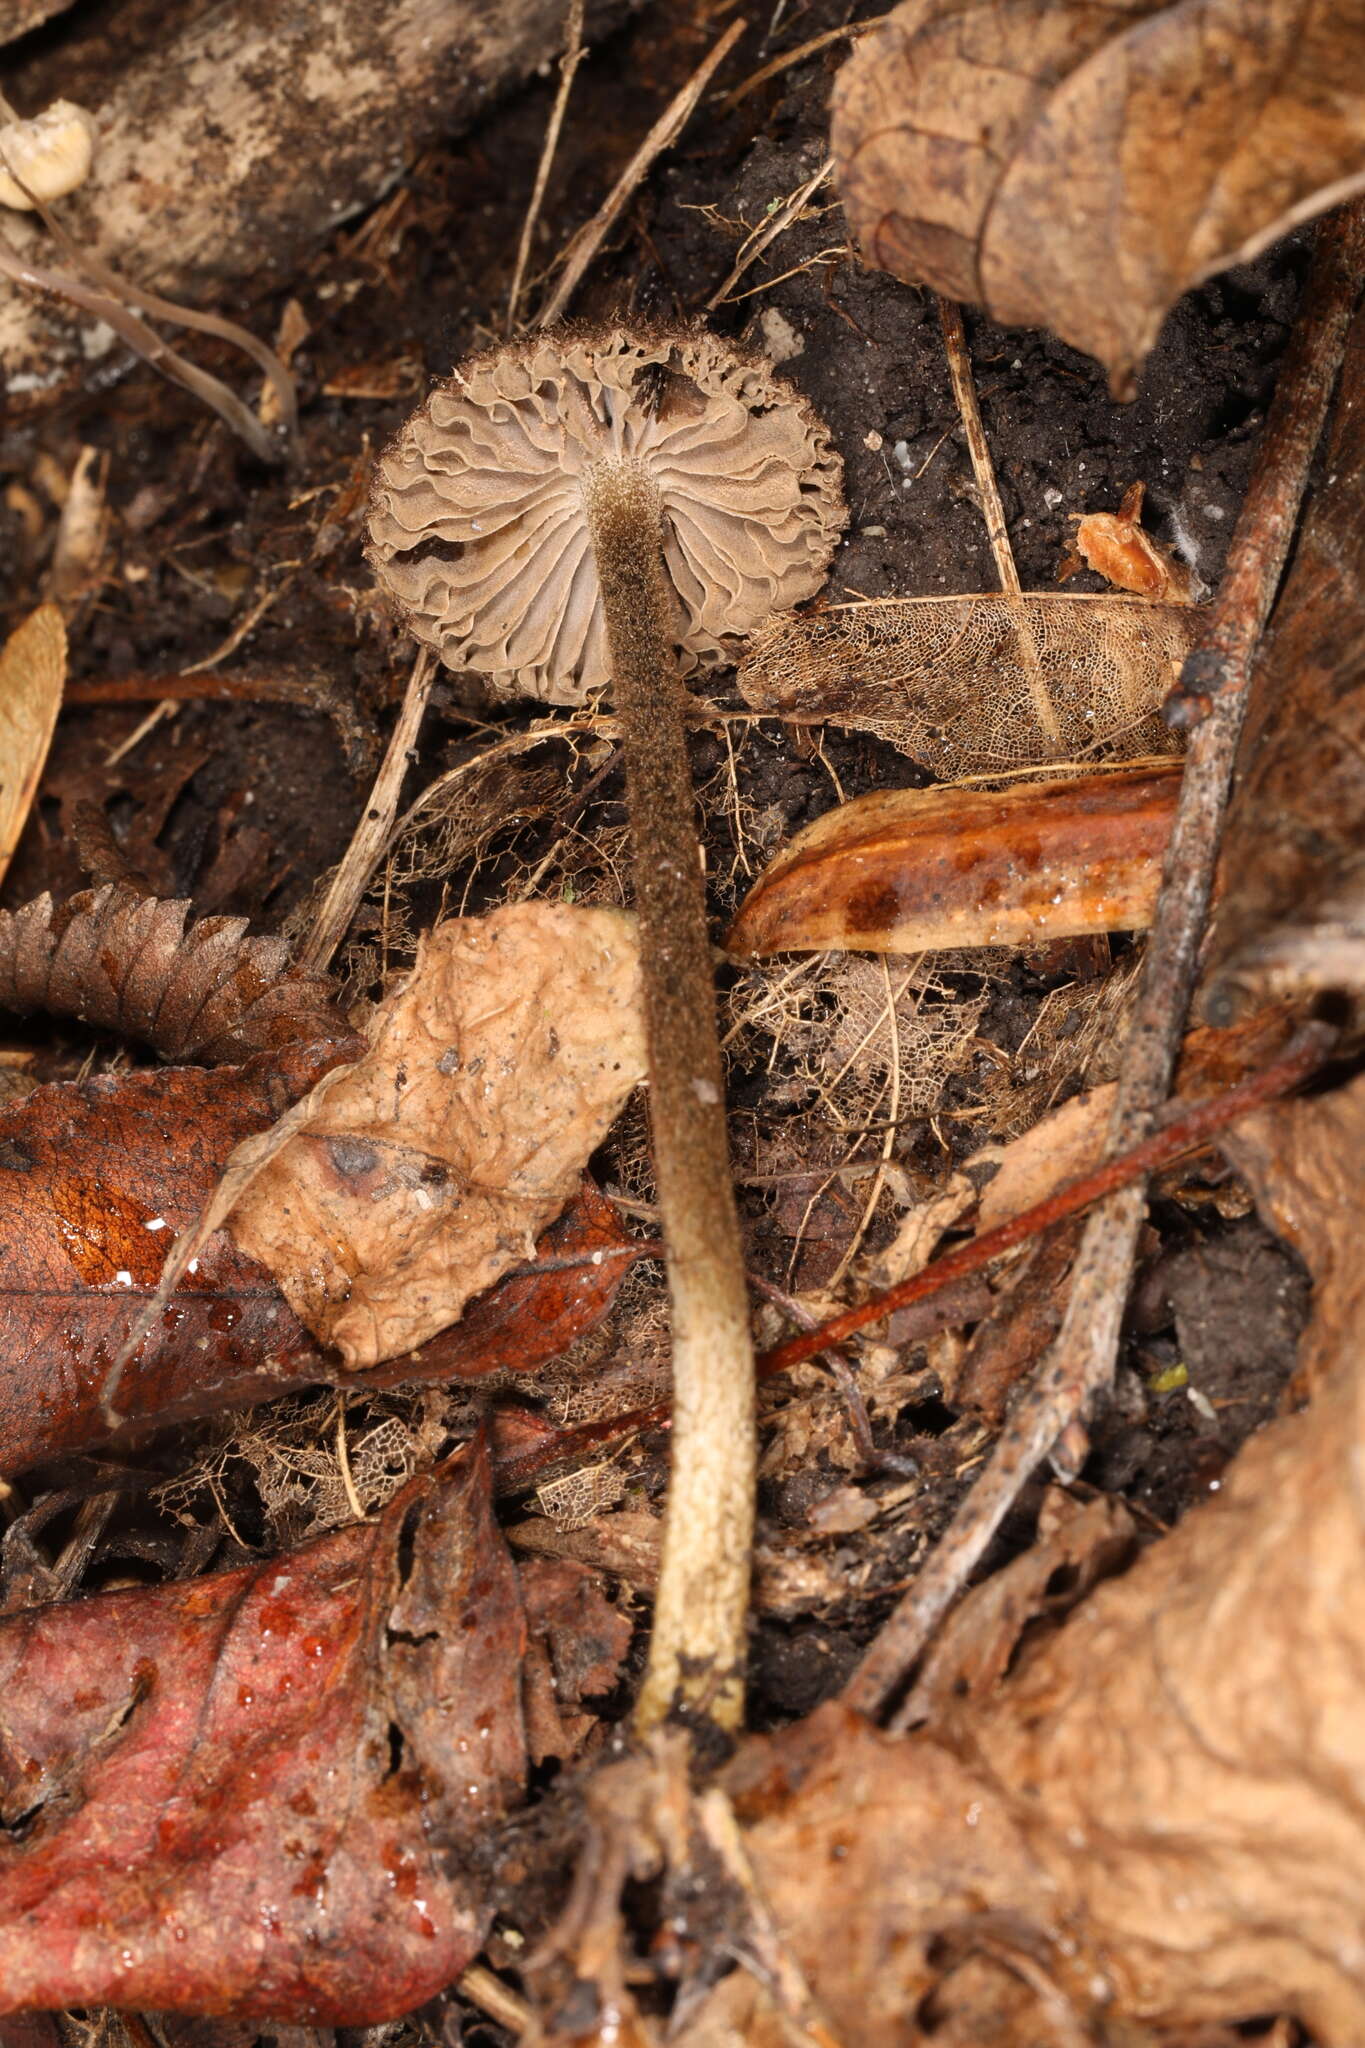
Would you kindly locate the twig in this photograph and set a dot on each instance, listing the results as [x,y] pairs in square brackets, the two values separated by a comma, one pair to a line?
[362,856]
[589,239]
[768,231]
[797,56]
[1050,1416]
[491,1995]
[992,511]
[1184,1130]
[574,54]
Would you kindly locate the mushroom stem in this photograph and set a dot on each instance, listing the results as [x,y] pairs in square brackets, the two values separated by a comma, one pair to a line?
[696,1657]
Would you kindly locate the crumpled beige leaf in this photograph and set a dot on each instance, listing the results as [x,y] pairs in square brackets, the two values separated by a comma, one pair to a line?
[434,1162]
[32,673]
[1079,167]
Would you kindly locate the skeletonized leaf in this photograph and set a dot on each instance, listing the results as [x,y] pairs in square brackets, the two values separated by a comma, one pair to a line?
[914,870]
[1078,168]
[257,1793]
[125,962]
[431,1166]
[979,684]
[32,672]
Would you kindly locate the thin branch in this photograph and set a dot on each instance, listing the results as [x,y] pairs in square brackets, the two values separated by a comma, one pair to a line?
[992,511]
[574,54]
[589,239]
[1050,1417]
[1185,1130]
[363,855]
[768,231]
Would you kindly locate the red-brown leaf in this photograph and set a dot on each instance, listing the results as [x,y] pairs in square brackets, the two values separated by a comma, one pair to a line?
[86,1168]
[256,1793]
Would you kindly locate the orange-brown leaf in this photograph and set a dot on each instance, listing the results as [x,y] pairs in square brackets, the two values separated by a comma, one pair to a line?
[910,870]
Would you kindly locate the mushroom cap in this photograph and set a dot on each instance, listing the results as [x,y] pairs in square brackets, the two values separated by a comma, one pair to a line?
[478,517]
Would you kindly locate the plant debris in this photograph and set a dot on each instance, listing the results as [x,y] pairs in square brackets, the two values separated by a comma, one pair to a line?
[241,1795]
[436,1160]
[1069,171]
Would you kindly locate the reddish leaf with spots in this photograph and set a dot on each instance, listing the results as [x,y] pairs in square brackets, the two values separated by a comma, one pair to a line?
[98,1177]
[257,1793]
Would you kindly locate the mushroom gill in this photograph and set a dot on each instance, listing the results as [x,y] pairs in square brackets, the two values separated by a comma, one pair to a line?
[478,517]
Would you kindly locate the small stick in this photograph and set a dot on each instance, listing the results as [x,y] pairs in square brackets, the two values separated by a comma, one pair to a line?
[574,54]
[1050,1416]
[767,233]
[362,856]
[589,239]
[777,65]
[992,511]
[1184,1131]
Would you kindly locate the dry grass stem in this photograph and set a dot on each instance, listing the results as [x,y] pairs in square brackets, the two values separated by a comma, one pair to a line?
[589,239]
[767,232]
[574,53]
[778,65]
[366,849]
[992,511]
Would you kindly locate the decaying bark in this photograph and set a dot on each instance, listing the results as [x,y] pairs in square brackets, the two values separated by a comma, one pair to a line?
[227,153]
[1293,917]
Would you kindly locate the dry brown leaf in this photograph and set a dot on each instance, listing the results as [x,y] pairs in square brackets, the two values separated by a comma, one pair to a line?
[1064,1144]
[32,672]
[433,1164]
[914,870]
[1116,547]
[1078,168]
[1157,1821]
[954,681]
[125,962]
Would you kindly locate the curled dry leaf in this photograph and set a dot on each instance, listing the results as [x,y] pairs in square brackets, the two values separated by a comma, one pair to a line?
[1292,918]
[125,962]
[910,870]
[1069,168]
[955,681]
[99,1177]
[1116,547]
[432,1165]
[257,1793]
[32,672]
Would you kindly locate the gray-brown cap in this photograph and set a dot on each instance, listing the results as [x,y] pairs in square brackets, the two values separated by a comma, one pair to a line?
[478,525]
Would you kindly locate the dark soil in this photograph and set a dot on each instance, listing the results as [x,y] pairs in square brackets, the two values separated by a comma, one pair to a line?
[243,804]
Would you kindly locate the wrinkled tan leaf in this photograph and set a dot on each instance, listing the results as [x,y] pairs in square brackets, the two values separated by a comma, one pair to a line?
[1077,167]
[953,681]
[435,1161]
[32,672]
[911,870]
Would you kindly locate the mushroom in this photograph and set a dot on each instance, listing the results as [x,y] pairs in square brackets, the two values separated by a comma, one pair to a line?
[586,507]
[44,157]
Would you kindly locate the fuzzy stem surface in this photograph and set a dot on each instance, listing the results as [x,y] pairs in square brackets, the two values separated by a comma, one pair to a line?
[696,1659]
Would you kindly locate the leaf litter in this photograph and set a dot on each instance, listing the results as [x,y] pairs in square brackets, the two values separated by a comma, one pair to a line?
[988,1055]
